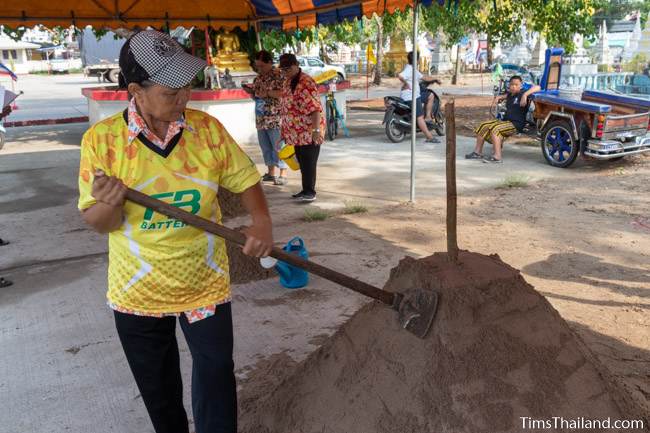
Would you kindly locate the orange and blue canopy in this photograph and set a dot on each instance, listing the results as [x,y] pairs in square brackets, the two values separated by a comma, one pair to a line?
[216,13]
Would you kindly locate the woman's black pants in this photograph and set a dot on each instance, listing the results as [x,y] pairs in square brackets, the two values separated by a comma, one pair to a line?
[151,350]
[307,157]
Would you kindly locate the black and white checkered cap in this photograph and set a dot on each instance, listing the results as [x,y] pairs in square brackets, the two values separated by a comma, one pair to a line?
[164,59]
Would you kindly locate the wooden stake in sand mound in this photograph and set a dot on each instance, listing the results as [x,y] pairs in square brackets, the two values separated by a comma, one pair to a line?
[498,353]
[498,357]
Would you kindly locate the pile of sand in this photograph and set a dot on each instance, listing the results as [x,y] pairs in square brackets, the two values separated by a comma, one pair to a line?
[243,268]
[497,351]
[230,204]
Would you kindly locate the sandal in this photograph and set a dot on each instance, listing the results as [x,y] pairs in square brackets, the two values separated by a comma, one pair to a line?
[474,155]
[492,159]
[5,283]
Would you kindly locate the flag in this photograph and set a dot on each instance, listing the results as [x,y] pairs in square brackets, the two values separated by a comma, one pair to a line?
[6,71]
[370,55]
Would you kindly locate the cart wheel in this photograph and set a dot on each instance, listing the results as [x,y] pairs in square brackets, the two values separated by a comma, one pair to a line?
[559,146]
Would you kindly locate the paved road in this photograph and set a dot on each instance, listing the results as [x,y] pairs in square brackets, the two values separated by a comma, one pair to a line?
[59,96]
[50,97]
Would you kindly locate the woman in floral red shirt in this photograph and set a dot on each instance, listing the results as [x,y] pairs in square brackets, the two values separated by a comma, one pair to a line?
[303,124]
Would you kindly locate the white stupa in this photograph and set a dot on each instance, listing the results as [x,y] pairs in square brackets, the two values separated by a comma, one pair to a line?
[539,52]
[440,58]
[601,50]
[579,62]
[632,46]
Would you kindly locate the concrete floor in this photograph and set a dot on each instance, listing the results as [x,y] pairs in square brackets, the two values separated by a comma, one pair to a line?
[61,366]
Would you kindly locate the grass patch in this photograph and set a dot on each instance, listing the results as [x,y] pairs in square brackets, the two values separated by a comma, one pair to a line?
[516,180]
[352,207]
[312,215]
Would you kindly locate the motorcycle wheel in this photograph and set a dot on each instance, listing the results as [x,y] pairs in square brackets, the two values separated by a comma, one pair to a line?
[393,133]
[440,124]
[2,140]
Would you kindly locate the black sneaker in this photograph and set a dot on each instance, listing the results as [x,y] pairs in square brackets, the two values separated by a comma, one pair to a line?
[308,197]
[474,155]
[297,195]
[432,140]
[268,178]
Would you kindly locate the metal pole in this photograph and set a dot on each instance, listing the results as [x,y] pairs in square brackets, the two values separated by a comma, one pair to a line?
[413,98]
[257,35]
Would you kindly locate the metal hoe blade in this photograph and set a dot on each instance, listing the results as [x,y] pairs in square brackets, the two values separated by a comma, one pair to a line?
[416,310]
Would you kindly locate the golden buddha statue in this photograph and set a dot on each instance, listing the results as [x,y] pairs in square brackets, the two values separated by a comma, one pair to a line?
[395,58]
[228,54]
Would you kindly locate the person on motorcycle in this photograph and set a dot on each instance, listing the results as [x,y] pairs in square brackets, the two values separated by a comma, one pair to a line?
[495,131]
[428,98]
[406,77]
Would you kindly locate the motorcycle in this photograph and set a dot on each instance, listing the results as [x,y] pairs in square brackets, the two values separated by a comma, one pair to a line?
[398,114]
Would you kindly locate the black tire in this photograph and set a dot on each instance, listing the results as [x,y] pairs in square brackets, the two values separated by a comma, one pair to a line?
[332,122]
[339,77]
[113,75]
[559,145]
[2,140]
[440,123]
[393,133]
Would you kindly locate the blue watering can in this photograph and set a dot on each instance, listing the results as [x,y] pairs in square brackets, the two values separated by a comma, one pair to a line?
[291,277]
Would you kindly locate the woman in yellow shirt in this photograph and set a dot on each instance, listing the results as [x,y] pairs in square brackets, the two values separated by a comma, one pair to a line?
[159,268]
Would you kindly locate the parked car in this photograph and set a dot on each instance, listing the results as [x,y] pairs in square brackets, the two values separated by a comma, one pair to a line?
[314,66]
[510,69]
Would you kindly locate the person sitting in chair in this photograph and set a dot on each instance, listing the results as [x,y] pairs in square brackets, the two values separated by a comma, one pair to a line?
[495,131]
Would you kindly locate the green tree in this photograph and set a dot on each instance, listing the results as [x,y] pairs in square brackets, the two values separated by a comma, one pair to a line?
[454,22]
[558,20]
[637,64]
[613,10]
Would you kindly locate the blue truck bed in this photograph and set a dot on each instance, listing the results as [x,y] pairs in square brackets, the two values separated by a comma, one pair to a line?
[552,97]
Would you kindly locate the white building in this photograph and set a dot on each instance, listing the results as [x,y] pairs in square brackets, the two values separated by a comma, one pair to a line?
[16,55]
[623,38]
